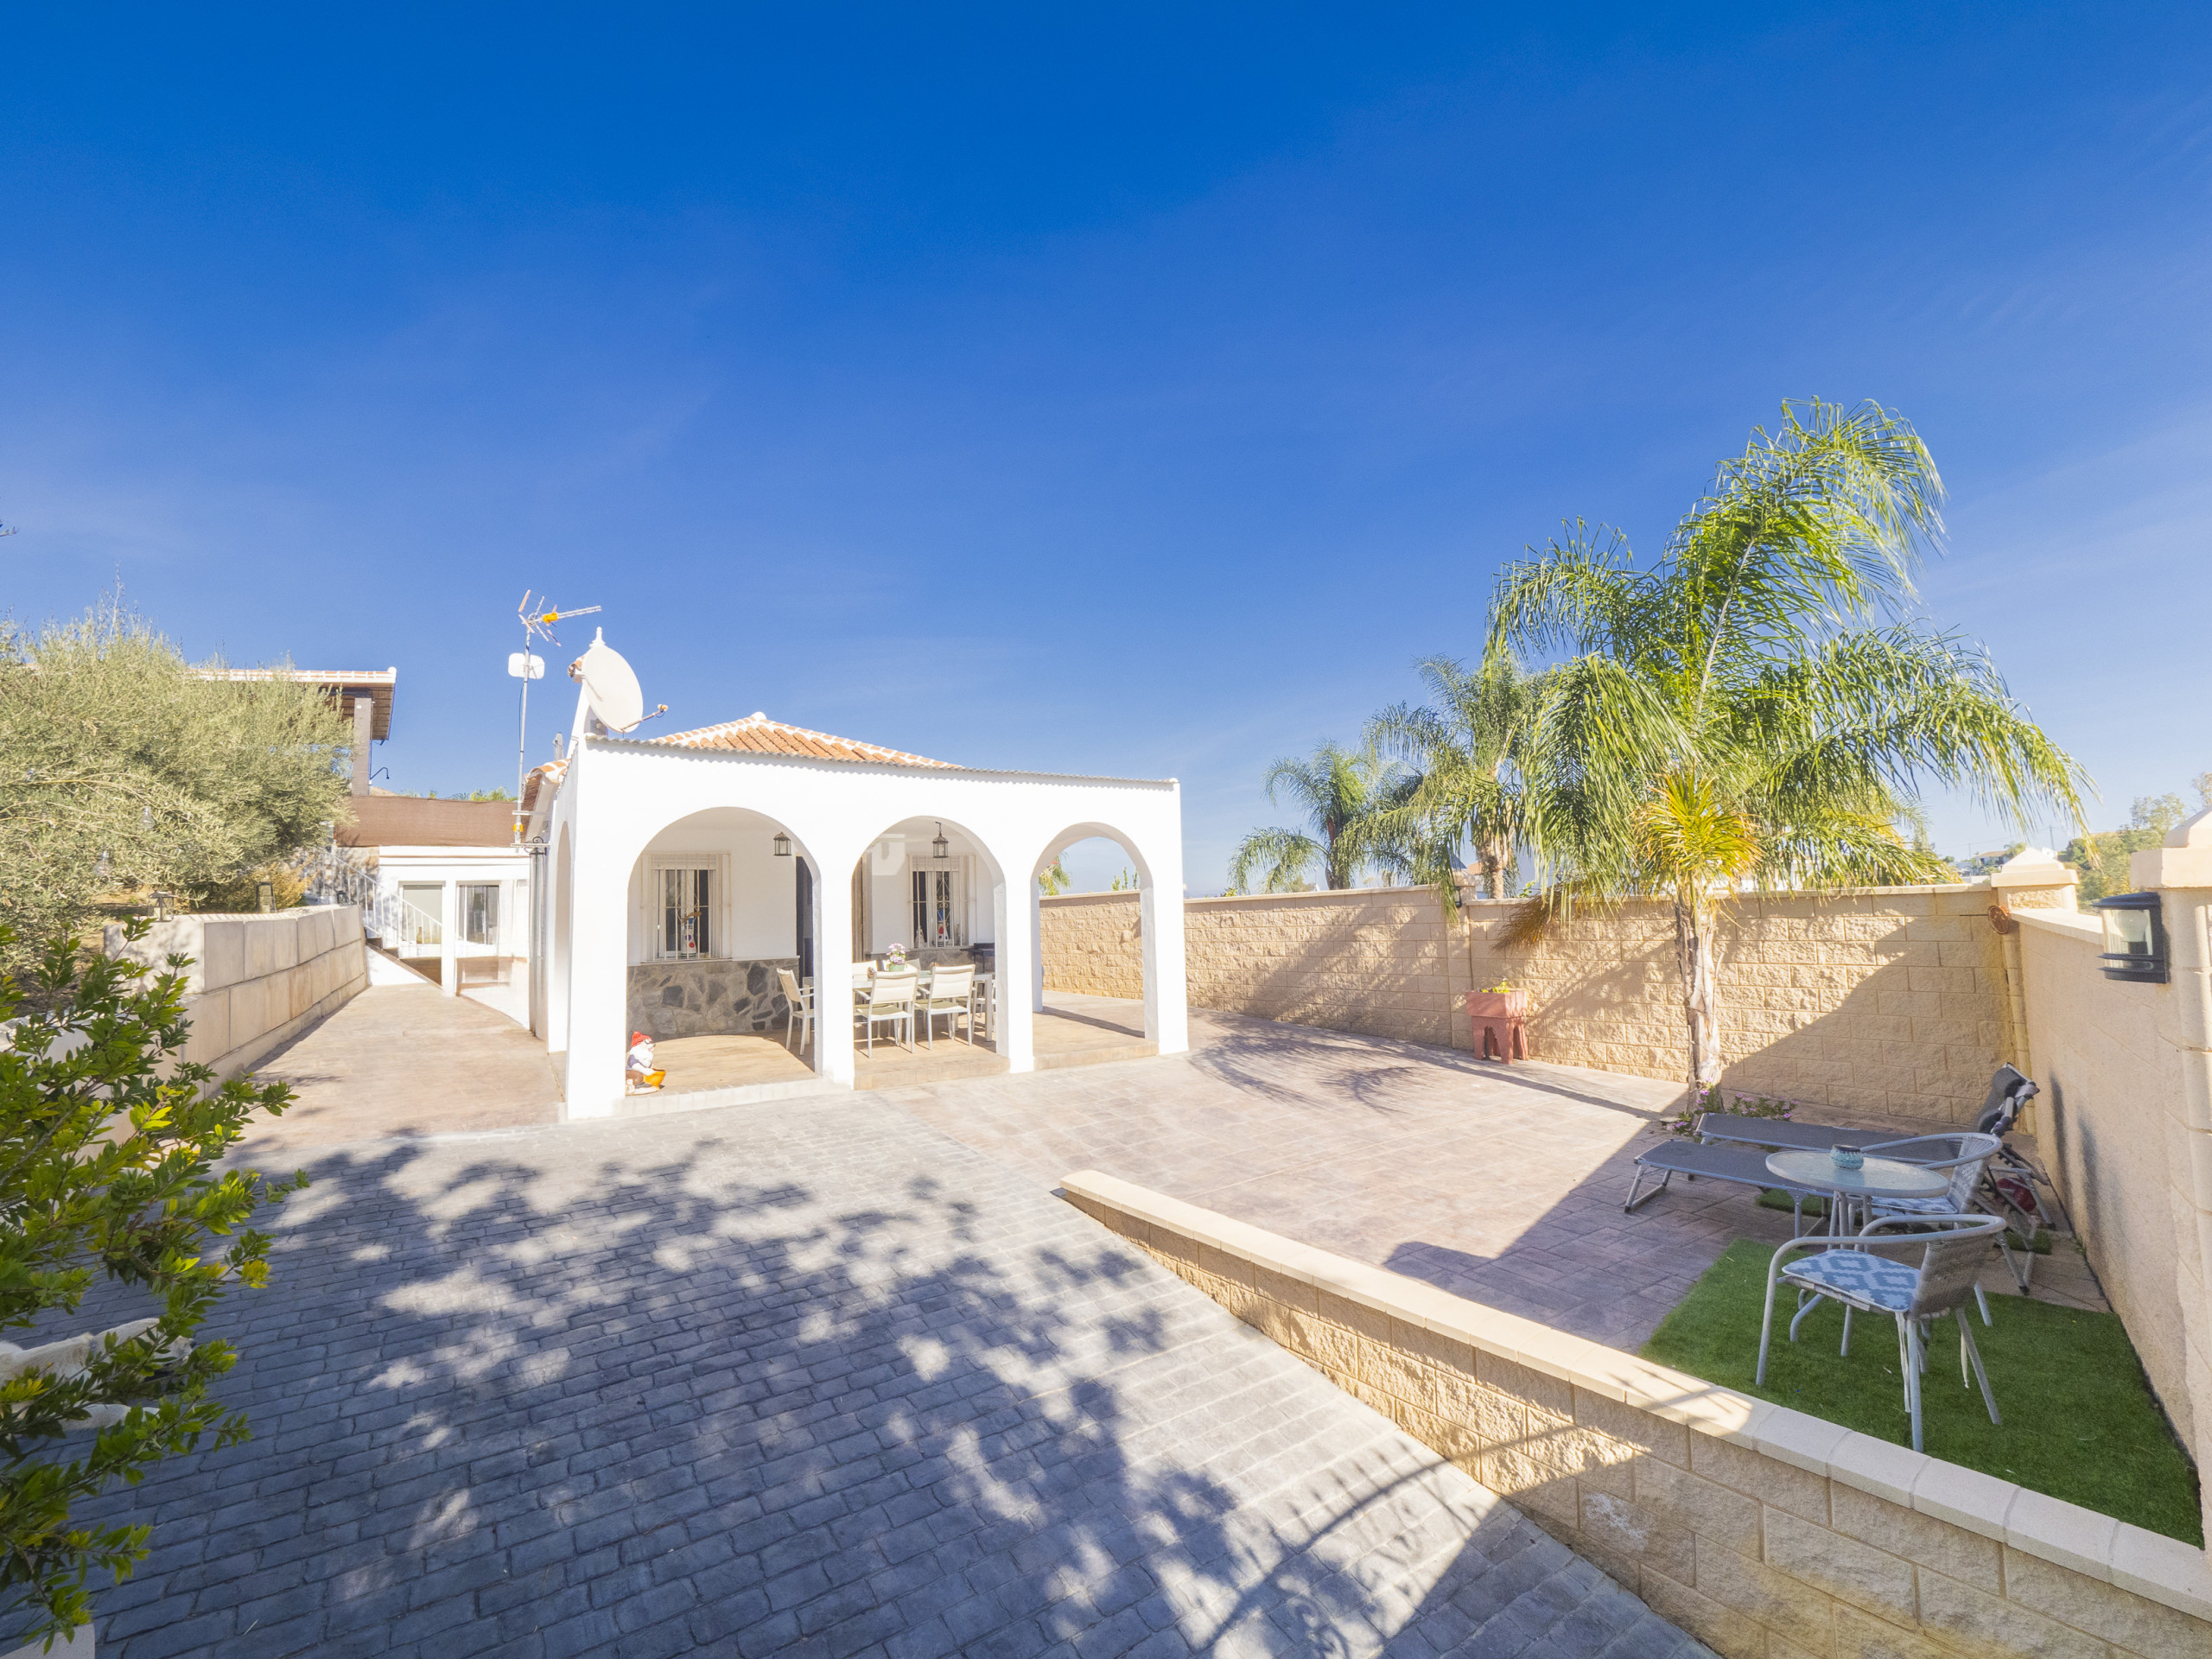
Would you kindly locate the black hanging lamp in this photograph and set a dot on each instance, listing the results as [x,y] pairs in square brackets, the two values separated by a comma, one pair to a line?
[940,849]
[783,845]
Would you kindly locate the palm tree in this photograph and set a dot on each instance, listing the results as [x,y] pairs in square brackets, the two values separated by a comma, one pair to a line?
[1761,706]
[1338,787]
[1463,749]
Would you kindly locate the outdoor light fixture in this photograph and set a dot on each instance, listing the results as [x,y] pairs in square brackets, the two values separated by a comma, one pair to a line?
[266,892]
[2135,938]
[783,845]
[940,848]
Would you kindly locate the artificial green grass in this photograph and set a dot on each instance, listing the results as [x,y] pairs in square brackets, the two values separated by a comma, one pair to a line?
[2080,1422]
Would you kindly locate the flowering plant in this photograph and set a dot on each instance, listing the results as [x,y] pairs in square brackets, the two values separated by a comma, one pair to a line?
[1505,987]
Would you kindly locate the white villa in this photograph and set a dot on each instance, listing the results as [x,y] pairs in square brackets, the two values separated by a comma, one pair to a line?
[679,873]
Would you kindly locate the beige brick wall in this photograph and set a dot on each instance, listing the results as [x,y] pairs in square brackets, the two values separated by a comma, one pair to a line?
[2105,1074]
[1890,1001]
[256,981]
[1092,944]
[1766,1533]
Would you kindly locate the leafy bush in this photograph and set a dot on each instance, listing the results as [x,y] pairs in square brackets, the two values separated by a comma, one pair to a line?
[108,1147]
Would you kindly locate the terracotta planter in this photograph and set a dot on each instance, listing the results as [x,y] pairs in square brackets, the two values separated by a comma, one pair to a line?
[1498,1005]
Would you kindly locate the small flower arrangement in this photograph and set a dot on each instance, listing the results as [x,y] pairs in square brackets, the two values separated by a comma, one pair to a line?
[1711,1100]
[1503,987]
[894,960]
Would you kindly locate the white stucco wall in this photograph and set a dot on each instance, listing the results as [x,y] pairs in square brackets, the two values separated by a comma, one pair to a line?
[619,796]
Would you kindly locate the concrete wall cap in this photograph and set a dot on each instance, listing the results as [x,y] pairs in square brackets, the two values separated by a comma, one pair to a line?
[2034,867]
[2063,1533]
[2075,924]
[1965,1497]
[1803,1442]
[2161,1569]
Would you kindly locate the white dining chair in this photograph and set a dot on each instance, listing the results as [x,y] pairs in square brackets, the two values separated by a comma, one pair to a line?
[950,995]
[801,999]
[890,1000]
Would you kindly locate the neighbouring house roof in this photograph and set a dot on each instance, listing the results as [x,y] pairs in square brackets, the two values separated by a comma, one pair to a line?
[407,820]
[758,734]
[376,684]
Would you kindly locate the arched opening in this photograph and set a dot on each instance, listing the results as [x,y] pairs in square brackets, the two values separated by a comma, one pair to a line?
[723,916]
[926,892]
[1092,970]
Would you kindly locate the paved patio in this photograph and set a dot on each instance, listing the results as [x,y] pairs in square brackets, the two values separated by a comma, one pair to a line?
[1501,1184]
[767,1379]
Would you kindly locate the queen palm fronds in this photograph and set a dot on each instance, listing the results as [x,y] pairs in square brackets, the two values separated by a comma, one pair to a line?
[1758,707]
[1338,787]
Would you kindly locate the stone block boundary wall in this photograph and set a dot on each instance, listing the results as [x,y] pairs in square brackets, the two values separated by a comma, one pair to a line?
[256,981]
[1891,1001]
[1766,1533]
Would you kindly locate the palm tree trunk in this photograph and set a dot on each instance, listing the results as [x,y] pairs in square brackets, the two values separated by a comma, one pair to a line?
[1700,991]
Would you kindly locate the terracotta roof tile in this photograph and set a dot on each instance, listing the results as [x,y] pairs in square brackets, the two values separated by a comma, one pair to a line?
[758,734]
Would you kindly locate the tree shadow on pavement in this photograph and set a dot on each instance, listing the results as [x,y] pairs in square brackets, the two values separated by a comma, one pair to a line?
[600,1392]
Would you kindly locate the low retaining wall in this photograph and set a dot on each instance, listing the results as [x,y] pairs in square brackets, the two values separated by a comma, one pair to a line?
[256,981]
[1767,1534]
[1889,1001]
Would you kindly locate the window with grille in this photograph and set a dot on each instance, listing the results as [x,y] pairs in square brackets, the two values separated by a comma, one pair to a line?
[938,919]
[685,914]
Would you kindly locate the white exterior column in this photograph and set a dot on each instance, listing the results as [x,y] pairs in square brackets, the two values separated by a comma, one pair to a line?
[1019,967]
[1036,947]
[448,935]
[833,973]
[1167,984]
[599,980]
[559,906]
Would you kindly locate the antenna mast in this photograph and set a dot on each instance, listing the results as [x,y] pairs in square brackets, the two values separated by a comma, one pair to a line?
[526,667]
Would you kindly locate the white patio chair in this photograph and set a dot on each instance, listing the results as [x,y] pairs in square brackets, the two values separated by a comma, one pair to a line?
[1963,1156]
[950,995]
[889,1001]
[1915,1277]
[802,1007]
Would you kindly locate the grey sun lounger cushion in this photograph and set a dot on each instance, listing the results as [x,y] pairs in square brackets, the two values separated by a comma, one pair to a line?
[2008,1092]
[1737,1165]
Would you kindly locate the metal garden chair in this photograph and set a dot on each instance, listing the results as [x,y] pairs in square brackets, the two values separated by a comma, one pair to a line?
[1915,1277]
[801,999]
[889,1001]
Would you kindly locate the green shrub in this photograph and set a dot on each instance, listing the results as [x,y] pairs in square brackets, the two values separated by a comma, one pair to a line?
[107,1173]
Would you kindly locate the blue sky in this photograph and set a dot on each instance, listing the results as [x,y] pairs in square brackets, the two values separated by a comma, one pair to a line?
[1139,391]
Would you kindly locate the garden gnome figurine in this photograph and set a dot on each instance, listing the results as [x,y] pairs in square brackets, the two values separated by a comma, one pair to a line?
[639,1077]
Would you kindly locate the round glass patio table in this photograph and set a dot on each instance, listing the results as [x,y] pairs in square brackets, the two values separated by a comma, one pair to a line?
[1874,1179]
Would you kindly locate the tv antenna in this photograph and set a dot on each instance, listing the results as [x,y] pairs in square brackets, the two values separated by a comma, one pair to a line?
[527,666]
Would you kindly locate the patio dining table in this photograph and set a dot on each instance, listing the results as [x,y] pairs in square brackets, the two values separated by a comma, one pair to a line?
[1874,1178]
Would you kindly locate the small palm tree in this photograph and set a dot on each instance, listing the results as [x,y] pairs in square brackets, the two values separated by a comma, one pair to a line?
[1463,748]
[1338,787]
[1760,707]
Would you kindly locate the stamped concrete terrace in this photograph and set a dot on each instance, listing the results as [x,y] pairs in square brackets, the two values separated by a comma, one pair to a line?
[759,1380]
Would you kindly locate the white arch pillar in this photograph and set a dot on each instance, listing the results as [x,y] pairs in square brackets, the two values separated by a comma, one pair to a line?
[598,987]
[832,969]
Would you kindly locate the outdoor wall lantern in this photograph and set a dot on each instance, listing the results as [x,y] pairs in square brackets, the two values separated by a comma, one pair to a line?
[2135,938]
[940,849]
[783,845]
[266,892]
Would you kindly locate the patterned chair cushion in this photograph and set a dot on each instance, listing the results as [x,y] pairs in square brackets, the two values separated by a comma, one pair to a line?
[1856,1276]
[1941,1206]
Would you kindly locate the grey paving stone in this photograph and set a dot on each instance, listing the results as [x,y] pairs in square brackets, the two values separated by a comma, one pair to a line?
[773,1381]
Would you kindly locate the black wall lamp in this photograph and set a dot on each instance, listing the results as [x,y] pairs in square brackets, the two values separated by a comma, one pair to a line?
[2135,938]
[783,845]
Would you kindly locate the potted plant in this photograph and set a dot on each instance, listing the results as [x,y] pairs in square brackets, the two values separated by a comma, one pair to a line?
[1498,1001]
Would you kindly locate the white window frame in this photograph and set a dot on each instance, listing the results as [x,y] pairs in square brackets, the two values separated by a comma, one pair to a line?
[716,865]
[957,904]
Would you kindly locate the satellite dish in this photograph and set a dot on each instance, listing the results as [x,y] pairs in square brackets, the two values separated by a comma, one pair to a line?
[610,685]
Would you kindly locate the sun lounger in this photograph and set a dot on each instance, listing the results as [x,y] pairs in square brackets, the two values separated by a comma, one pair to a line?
[1739,1165]
[2008,1092]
